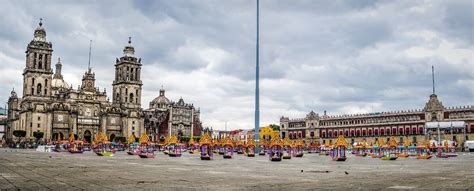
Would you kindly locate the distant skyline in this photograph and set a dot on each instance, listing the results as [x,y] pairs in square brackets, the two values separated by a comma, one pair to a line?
[345,57]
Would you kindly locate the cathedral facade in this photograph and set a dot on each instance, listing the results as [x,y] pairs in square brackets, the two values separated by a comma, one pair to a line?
[50,105]
[165,118]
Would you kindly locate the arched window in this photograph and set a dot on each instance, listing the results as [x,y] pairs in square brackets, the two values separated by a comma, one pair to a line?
[40,62]
[46,87]
[34,60]
[45,61]
[38,89]
[370,132]
[131,97]
[376,132]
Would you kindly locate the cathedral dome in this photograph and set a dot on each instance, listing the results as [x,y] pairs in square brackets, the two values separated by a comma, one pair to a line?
[160,101]
[59,83]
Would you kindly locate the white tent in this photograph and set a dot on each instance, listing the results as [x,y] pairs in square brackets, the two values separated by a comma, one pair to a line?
[445,125]
[448,125]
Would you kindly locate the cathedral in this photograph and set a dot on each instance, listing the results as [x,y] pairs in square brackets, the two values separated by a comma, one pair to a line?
[165,118]
[50,105]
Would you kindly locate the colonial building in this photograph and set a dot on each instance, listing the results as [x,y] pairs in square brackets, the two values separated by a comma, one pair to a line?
[50,105]
[165,118]
[370,127]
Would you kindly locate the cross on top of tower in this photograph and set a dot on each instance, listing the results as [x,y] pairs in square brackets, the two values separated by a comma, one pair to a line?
[129,40]
[41,22]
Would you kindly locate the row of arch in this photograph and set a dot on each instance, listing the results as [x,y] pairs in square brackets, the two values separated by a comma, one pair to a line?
[371,132]
[373,120]
[39,88]
[38,61]
[130,74]
[129,98]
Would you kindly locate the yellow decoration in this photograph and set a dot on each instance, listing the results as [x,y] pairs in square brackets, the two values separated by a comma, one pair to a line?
[263,142]
[287,142]
[276,141]
[227,142]
[131,139]
[407,143]
[71,138]
[173,140]
[392,143]
[191,141]
[380,142]
[100,138]
[165,143]
[240,143]
[250,142]
[144,139]
[205,140]
[427,144]
[299,143]
[341,142]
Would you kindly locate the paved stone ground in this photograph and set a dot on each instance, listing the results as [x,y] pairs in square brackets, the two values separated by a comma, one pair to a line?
[31,170]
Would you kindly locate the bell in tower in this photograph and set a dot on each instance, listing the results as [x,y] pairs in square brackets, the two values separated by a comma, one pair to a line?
[37,74]
[127,85]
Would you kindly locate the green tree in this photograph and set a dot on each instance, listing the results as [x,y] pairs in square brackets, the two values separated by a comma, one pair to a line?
[120,139]
[19,134]
[275,127]
[38,135]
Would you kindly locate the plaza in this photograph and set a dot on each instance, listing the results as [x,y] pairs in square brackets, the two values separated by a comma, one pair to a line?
[31,170]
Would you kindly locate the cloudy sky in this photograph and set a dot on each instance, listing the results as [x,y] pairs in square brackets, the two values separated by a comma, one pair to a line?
[340,56]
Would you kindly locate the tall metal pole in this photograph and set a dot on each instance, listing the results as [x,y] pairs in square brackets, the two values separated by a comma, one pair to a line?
[257,89]
[90,48]
[432,77]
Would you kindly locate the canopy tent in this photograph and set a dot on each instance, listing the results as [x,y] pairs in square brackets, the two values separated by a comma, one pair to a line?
[449,125]
[446,125]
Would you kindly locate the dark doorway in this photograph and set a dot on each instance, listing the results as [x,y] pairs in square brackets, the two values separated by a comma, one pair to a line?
[112,137]
[87,136]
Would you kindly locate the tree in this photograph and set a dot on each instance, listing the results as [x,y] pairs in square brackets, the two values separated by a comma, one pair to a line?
[38,135]
[185,139]
[19,134]
[120,139]
[275,127]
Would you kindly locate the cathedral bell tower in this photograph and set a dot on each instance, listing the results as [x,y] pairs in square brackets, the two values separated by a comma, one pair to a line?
[127,86]
[37,74]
